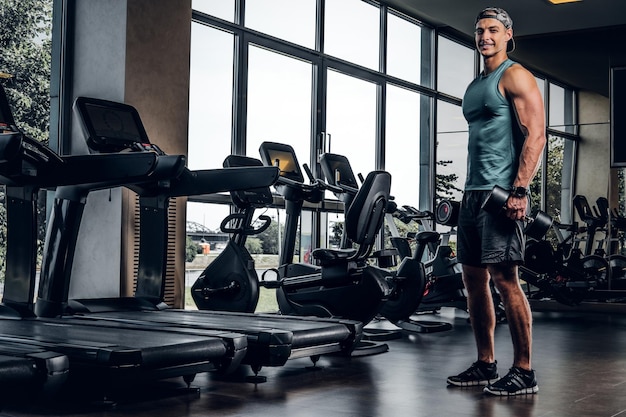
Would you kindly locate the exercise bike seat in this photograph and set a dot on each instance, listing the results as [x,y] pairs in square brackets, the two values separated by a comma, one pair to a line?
[364,218]
[327,256]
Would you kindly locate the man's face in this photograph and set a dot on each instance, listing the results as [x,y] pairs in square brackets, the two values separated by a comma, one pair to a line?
[491,36]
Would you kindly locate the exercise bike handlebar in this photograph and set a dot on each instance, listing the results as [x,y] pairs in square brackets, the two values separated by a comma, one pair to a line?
[419,214]
[325,185]
[242,228]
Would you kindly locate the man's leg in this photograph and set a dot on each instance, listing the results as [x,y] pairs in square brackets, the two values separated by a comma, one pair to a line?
[481,311]
[517,310]
[482,316]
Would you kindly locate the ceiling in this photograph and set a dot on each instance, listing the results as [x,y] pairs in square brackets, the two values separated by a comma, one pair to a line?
[575,43]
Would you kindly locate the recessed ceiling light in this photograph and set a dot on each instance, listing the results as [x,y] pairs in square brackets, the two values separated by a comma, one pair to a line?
[563,1]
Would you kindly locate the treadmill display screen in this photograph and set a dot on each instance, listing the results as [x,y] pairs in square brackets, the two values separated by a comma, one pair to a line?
[113,124]
[110,126]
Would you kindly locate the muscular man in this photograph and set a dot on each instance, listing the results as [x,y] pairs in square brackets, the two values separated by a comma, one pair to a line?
[505,113]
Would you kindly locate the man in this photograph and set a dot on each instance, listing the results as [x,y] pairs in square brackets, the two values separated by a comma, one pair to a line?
[505,113]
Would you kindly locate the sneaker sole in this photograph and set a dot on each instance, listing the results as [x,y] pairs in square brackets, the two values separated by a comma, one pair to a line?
[481,382]
[524,391]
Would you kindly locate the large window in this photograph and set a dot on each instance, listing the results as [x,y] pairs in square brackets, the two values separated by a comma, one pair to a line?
[287,73]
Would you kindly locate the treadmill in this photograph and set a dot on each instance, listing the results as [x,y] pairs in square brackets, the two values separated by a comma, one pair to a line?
[272,339]
[24,366]
[98,353]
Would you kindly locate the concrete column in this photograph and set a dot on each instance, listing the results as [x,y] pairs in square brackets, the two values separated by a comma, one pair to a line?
[134,51]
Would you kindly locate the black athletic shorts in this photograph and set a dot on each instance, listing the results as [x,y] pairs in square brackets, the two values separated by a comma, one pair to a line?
[484,238]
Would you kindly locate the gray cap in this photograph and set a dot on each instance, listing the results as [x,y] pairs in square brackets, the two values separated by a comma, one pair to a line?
[496,13]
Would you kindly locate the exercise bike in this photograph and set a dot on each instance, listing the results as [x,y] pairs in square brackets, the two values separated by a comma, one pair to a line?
[444,279]
[444,282]
[343,284]
[562,272]
[404,285]
[230,282]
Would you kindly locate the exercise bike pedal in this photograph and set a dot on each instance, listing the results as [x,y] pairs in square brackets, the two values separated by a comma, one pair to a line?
[581,284]
[271,284]
[423,326]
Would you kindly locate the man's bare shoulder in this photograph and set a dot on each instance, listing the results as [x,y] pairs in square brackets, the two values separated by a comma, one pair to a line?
[517,77]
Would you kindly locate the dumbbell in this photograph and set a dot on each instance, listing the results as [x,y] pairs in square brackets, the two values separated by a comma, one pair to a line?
[537,225]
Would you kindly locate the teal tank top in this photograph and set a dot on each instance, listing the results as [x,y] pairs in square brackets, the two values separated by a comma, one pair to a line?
[495,138]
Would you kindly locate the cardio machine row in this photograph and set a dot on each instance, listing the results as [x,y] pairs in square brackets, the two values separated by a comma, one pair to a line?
[105,341]
[340,282]
[568,268]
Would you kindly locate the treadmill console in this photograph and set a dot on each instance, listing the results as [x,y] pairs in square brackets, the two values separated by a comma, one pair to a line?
[254,197]
[111,126]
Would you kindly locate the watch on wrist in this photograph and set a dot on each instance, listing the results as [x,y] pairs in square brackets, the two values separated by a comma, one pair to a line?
[519,192]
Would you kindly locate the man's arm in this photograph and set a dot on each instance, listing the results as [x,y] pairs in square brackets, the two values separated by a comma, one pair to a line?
[519,85]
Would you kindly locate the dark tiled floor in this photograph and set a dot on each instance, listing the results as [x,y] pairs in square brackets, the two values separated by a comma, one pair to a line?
[580,359]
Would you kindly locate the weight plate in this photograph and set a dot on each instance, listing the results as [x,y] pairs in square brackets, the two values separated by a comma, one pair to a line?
[447,212]
[617,265]
[596,269]
[539,257]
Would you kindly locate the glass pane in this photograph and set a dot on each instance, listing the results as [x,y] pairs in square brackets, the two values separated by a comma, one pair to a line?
[279,102]
[210,97]
[351,120]
[556,114]
[404,49]
[554,177]
[203,220]
[561,111]
[332,228]
[304,248]
[224,9]
[542,89]
[536,187]
[455,67]
[621,186]
[284,19]
[352,32]
[452,134]
[402,147]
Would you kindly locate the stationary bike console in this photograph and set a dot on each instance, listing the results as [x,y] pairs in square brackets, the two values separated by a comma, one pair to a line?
[291,179]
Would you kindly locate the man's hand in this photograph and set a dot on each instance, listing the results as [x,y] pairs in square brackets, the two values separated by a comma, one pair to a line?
[516,207]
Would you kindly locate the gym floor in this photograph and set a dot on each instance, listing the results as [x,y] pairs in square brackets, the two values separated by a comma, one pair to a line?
[580,359]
